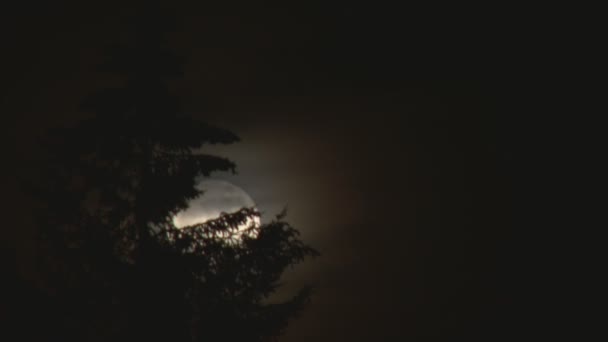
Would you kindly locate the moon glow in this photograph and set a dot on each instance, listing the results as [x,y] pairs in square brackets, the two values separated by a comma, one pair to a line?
[218,197]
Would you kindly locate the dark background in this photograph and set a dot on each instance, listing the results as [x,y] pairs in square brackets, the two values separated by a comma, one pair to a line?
[411,145]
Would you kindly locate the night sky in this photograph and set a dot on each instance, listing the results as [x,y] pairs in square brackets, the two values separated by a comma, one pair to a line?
[391,134]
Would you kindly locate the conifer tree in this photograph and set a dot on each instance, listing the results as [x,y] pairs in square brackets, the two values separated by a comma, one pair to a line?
[117,267]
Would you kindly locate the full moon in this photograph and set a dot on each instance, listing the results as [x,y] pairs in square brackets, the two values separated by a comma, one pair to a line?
[218,197]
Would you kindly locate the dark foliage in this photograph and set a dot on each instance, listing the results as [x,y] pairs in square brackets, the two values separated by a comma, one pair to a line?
[115,267]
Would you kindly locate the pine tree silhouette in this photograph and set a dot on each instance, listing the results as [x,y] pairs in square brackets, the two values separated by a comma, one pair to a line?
[116,268]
